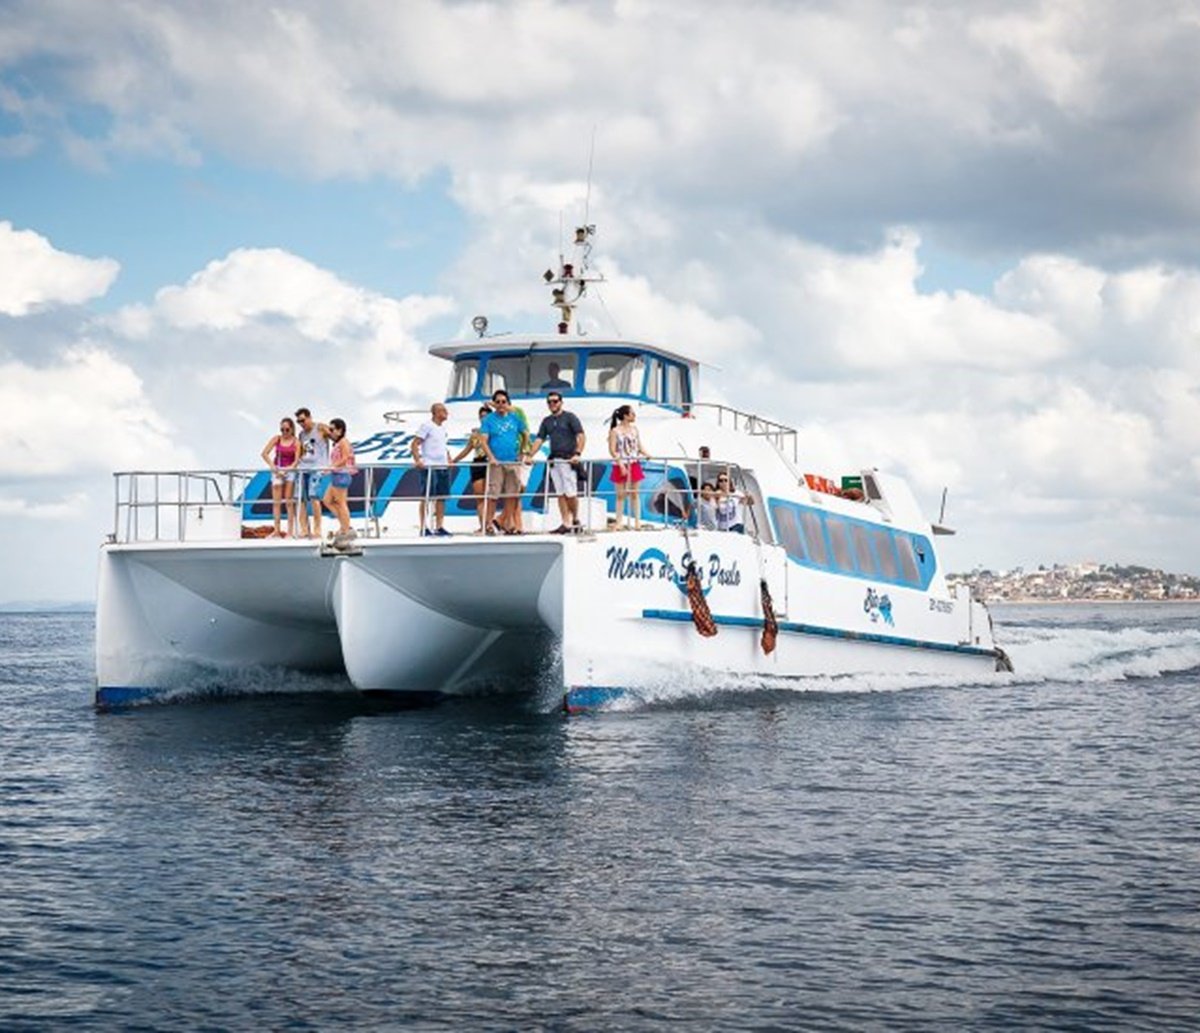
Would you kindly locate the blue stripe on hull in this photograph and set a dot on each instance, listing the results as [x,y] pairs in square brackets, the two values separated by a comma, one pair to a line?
[685,616]
[124,695]
[581,699]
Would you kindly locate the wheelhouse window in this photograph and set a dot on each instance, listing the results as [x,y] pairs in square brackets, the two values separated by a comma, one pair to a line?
[463,378]
[677,392]
[614,373]
[654,381]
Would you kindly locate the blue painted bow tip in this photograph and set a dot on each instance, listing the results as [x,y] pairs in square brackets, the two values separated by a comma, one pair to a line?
[110,696]
[592,697]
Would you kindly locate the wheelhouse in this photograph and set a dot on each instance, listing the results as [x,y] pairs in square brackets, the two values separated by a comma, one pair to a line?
[596,369]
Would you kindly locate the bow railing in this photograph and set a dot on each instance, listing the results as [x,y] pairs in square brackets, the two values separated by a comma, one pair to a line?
[395,501]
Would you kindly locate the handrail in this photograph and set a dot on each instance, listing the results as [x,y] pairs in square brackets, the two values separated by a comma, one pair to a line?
[779,434]
[212,505]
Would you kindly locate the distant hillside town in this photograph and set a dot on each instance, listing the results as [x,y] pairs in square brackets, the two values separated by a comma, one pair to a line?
[1085,581]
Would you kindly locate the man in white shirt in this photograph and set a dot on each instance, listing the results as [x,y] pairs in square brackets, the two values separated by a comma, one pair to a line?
[431,456]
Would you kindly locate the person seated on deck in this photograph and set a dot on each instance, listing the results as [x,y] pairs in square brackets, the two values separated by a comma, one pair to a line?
[556,381]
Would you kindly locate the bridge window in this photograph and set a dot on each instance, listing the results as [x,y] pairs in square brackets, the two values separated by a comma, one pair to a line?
[654,380]
[614,373]
[677,392]
[464,378]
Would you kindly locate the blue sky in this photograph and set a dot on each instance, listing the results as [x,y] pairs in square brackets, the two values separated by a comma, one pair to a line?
[960,243]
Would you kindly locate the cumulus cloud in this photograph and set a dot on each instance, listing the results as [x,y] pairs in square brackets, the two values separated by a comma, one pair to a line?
[34,274]
[835,119]
[85,412]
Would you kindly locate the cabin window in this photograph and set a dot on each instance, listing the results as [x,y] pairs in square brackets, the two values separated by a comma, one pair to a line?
[654,381]
[886,552]
[862,549]
[464,378]
[814,537]
[553,371]
[677,393]
[614,373]
[788,531]
[839,541]
[908,561]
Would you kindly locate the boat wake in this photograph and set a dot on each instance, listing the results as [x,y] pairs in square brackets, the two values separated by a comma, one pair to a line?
[1062,647]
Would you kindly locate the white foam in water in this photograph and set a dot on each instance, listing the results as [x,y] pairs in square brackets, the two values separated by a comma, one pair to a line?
[252,681]
[1040,653]
[1075,654]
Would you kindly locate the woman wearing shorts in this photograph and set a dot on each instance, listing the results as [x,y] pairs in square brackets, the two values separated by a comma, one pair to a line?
[341,464]
[282,455]
[625,446]
[479,465]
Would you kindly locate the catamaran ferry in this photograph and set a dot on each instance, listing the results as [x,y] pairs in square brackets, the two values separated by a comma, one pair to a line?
[833,573]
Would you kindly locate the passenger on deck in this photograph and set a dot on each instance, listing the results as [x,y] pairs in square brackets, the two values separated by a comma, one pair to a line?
[479,466]
[556,381]
[706,509]
[500,433]
[625,446]
[432,457]
[282,455]
[343,469]
[565,434]
[314,461]
[729,506]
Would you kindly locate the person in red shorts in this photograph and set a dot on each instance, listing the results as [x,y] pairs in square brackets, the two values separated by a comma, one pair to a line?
[625,446]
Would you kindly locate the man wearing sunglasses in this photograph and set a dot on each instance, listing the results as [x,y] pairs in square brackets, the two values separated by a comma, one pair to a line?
[565,434]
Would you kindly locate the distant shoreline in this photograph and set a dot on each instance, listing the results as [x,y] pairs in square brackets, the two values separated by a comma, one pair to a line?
[1088,602]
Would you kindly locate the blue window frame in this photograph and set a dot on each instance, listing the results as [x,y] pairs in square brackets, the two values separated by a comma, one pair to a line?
[659,380]
[843,545]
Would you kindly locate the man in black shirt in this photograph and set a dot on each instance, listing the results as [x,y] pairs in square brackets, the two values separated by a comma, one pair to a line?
[565,434]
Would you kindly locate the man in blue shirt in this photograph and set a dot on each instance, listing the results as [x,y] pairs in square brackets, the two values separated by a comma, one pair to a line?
[501,434]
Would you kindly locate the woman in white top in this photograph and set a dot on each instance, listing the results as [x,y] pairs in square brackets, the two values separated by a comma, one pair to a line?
[728,506]
[625,446]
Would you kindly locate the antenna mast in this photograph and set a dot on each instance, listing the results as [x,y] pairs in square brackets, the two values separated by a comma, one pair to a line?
[570,283]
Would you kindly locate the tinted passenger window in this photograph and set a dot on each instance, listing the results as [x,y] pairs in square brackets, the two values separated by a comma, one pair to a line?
[862,550]
[814,537]
[886,553]
[908,562]
[839,541]
[788,530]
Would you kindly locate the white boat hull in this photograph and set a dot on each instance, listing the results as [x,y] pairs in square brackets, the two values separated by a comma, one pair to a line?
[560,616]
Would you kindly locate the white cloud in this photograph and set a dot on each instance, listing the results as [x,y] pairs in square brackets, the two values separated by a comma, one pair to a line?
[838,117]
[66,508]
[34,274]
[86,411]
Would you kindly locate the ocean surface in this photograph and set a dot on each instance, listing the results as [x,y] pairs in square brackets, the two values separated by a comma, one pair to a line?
[1018,854]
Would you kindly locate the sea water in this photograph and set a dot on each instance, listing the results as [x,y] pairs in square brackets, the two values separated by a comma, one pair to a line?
[1016,852]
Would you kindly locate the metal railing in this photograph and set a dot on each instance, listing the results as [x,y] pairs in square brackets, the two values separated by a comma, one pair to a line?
[784,438]
[226,505]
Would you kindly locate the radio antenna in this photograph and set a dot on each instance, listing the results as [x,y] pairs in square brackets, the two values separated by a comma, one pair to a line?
[587,200]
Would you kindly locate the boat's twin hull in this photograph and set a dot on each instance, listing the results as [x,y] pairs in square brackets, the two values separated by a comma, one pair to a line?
[560,614]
